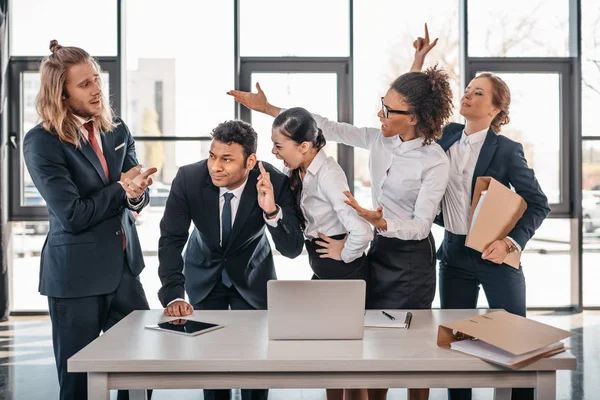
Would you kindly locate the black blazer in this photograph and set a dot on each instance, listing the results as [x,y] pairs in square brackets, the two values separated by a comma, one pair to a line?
[83,253]
[247,255]
[503,159]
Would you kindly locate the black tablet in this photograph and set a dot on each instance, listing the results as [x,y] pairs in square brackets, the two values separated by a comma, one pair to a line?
[185,327]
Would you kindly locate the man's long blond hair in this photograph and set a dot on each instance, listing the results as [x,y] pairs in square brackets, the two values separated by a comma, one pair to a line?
[56,117]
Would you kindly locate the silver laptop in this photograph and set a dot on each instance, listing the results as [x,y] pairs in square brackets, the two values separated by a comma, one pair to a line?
[316,310]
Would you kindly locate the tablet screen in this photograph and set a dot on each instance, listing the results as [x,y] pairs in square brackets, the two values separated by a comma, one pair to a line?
[186,326]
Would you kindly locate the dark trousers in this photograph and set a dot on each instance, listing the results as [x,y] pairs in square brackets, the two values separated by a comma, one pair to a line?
[224,298]
[76,322]
[462,273]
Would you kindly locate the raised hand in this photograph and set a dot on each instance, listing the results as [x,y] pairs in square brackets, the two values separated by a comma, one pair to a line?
[264,187]
[375,218]
[254,101]
[422,46]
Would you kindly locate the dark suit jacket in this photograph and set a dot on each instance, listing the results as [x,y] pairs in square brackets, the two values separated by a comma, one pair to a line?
[83,253]
[247,255]
[504,160]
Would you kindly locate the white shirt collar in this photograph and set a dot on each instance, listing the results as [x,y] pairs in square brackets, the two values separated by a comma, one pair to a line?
[237,193]
[474,137]
[317,162]
[82,121]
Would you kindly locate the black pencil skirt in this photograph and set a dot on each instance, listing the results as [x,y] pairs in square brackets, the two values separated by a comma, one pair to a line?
[327,268]
[401,273]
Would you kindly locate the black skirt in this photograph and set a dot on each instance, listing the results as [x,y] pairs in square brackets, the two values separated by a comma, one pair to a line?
[401,273]
[327,268]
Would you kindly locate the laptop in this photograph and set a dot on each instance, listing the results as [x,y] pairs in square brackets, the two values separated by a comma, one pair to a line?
[316,310]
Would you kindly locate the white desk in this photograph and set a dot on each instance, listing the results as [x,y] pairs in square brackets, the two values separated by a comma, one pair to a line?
[241,356]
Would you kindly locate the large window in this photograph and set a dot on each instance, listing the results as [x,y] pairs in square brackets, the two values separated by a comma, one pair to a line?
[516,28]
[285,28]
[34,23]
[383,51]
[590,66]
[169,65]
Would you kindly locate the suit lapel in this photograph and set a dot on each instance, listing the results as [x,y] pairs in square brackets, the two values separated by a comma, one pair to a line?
[248,202]
[485,156]
[89,153]
[108,148]
[449,139]
[210,199]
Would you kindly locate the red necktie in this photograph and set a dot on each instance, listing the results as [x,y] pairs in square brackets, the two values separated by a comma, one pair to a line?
[89,127]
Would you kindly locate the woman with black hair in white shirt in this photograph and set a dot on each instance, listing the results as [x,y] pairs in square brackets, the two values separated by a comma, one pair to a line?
[336,237]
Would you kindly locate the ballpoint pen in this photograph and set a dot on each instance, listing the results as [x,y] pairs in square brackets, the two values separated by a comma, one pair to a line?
[389,316]
[408,319]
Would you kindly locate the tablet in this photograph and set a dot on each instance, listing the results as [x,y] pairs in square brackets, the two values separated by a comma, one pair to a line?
[185,326]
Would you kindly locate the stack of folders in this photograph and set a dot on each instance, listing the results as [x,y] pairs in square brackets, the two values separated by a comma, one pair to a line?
[387,319]
[502,338]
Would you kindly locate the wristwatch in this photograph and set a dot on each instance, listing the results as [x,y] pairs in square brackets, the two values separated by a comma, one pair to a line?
[274,213]
[510,244]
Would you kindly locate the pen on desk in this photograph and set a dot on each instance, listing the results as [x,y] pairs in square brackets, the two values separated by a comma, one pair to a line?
[388,315]
[408,319]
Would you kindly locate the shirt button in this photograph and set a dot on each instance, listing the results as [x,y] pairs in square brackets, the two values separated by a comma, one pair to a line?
[225,259]
[118,233]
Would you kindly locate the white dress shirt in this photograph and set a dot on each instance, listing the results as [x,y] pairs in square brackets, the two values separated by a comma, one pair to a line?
[408,179]
[322,203]
[456,204]
[84,134]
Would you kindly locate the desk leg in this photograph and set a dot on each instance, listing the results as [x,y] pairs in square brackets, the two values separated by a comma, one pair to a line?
[98,386]
[545,388]
[138,395]
[502,393]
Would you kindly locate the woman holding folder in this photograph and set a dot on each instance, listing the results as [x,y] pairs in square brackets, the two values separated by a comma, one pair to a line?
[476,149]
[409,172]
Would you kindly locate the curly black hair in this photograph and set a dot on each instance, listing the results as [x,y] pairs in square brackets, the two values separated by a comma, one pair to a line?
[236,131]
[429,97]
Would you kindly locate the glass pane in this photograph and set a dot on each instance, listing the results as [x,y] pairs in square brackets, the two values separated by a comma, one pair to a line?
[590,202]
[30,86]
[590,66]
[317,92]
[276,28]
[67,21]
[27,242]
[383,51]
[516,28]
[177,87]
[540,137]
[546,263]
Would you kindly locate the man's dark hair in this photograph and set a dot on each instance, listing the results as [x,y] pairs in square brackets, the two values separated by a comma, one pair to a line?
[236,131]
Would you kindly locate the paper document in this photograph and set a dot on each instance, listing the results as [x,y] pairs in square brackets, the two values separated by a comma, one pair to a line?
[376,319]
[486,351]
[477,208]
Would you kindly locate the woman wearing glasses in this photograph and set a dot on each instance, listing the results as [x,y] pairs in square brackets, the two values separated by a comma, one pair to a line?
[409,174]
[476,149]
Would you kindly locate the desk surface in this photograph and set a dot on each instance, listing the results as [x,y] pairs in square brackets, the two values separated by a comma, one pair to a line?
[243,346]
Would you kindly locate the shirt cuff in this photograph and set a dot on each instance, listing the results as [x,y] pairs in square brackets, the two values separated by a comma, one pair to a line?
[348,256]
[515,243]
[273,221]
[173,301]
[135,204]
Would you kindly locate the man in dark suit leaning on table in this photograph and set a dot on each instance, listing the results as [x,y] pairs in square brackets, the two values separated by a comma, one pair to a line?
[228,261]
